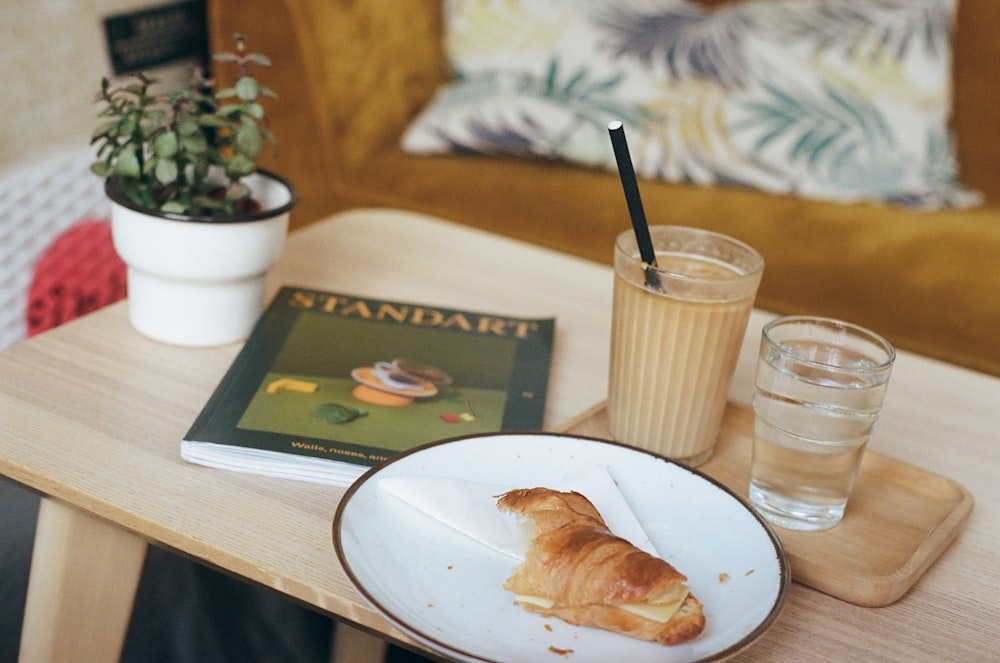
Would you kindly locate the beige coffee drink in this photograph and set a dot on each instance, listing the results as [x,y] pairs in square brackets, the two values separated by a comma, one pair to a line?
[674,347]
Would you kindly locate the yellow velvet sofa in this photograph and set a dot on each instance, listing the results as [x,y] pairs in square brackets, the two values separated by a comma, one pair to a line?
[351,75]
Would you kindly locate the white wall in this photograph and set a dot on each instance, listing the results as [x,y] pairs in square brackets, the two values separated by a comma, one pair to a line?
[52,57]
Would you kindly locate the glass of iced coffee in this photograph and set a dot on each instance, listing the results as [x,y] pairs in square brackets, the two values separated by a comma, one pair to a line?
[675,337]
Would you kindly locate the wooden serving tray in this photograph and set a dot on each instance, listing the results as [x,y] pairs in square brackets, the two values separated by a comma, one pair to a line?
[898,521]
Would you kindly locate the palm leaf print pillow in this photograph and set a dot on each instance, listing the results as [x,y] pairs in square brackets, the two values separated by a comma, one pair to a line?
[841,100]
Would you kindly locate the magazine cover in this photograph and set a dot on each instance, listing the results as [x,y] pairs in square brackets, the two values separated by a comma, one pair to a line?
[329,384]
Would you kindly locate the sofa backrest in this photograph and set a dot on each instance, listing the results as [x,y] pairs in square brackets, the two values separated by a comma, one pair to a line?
[977,104]
[351,74]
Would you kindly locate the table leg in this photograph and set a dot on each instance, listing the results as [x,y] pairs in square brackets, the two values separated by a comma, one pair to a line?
[351,645]
[84,576]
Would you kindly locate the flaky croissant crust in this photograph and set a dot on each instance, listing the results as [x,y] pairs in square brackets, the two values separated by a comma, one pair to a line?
[575,561]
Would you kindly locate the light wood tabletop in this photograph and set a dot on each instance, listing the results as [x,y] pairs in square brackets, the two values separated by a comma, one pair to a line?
[92,413]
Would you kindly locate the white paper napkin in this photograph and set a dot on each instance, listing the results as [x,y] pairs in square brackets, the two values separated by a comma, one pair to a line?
[470,508]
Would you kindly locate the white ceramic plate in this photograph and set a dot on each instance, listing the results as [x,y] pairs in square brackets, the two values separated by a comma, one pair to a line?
[445,590]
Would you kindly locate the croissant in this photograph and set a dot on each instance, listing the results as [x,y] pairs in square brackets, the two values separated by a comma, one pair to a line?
[577,570]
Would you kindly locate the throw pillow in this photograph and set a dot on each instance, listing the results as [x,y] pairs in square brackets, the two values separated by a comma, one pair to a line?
[79,273]
[844,100]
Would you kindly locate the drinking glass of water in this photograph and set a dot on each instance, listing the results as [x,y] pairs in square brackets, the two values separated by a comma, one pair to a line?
[818,392]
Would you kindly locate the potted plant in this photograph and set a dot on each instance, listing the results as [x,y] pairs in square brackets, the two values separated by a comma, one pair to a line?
[195,221]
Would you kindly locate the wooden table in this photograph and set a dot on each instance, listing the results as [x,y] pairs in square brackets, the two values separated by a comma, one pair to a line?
[91,414]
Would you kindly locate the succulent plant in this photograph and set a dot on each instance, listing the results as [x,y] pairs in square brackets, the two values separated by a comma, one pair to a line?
[185,151]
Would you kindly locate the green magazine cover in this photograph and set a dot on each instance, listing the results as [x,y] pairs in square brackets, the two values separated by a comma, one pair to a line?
[329,384]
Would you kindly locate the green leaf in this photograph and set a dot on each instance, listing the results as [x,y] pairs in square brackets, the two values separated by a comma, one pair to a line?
[240,166]
[255,110]
[127,164]
[196,144]
[247,88]
[166,171]
[134,191]
[248,139]
[188,127]
[101,169]
[230,110]
[335,413]
[226,93]
[106,129]
[165,145]
[127,126]
[173,207]
[147,129]
[207,203]
[213,121]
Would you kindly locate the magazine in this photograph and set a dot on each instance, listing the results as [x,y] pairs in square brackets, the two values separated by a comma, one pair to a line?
[330,384]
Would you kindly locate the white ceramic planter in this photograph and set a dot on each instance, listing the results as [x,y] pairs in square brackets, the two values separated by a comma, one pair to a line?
[195,282]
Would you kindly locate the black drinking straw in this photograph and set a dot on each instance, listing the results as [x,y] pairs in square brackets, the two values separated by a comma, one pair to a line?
[631,188]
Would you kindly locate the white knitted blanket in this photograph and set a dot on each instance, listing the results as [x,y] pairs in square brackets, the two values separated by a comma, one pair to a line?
[37,203]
